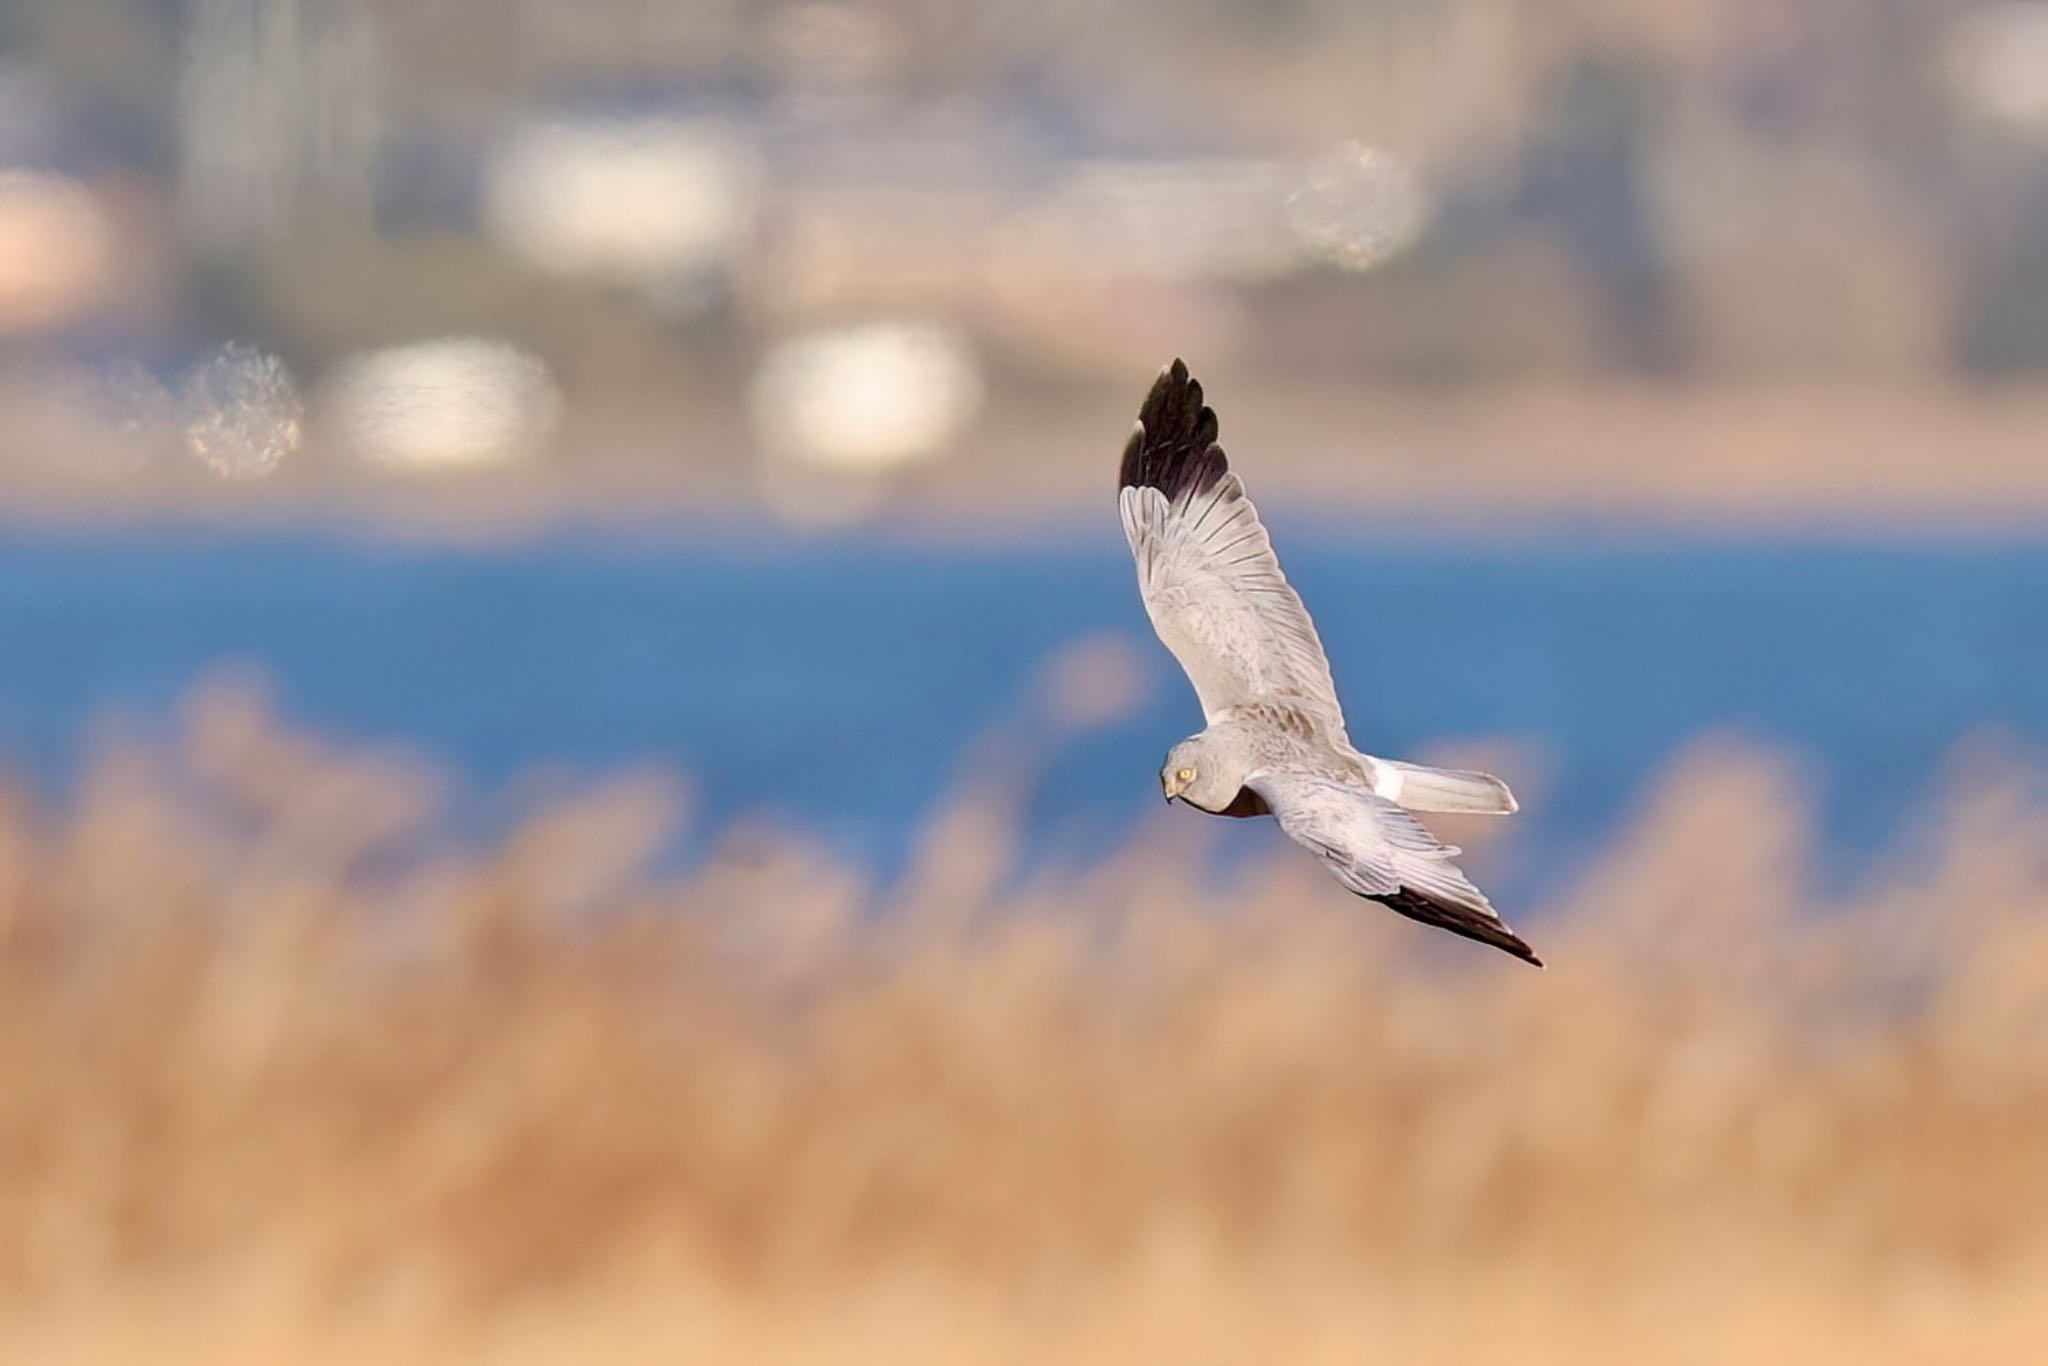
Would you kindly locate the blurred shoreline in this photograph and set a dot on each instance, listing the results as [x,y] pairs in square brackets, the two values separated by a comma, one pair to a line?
[749,657]
[1883,459]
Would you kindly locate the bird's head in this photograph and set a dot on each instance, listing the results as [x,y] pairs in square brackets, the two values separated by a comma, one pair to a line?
[1199,772]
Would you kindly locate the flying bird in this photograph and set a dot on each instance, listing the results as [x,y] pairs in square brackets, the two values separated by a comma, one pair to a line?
[1274,742]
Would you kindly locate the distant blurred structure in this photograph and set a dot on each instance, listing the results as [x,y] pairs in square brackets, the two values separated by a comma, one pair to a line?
[1463,192]
[457,404]
[279,118]
[643,202]
[82,424]
[838,412]
[56,252]
[1357,207]
[243,414]
[1997,68]
[1997,61]
[1180,218]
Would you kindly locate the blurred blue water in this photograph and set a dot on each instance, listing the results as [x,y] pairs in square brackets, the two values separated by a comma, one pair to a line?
[837,682]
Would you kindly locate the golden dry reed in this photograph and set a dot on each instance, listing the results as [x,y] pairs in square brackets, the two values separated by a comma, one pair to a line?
[290,1074]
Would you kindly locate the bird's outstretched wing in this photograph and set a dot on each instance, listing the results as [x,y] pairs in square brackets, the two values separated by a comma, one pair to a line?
[1206,569]
[1380,851]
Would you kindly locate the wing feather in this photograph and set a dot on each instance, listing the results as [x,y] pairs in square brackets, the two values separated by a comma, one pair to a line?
[1206,568]
[1381,852]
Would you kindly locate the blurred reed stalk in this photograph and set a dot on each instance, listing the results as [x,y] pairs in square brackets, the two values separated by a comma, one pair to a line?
[287,1073]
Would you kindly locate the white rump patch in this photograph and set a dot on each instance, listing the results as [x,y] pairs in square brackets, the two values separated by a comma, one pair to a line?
[1387,782]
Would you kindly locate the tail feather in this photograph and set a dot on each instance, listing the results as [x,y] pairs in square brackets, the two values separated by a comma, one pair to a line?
[1421,788]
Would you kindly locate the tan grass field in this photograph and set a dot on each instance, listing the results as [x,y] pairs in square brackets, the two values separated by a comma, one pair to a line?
[289,1075]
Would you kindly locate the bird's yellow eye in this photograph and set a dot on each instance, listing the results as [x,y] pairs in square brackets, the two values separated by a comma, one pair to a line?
[1186,775]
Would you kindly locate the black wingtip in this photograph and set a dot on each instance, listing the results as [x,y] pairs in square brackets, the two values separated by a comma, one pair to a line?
[1460,920]
[1173,449]
[1511,944]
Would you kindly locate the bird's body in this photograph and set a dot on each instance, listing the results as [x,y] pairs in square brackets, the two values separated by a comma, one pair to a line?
[1275,741]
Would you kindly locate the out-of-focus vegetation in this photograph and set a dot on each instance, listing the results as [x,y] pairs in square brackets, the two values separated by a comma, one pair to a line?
[291,1075]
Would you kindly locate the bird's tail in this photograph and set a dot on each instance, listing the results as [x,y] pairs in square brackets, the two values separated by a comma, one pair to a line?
[1421,788]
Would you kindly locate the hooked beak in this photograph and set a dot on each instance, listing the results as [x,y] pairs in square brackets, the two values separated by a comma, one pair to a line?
[1171,786]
